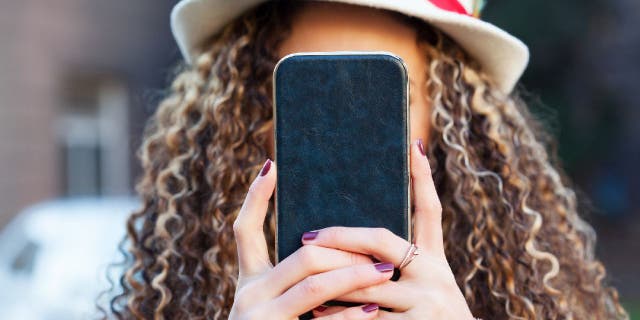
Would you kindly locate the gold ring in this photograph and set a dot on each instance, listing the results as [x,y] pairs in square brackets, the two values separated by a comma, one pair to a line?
[412,252]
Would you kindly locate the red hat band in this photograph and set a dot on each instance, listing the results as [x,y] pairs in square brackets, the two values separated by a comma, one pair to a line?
[451,5]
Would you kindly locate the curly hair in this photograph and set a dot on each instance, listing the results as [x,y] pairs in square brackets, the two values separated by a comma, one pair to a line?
[525,253]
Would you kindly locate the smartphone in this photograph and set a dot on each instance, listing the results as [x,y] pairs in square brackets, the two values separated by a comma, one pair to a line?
[341,126]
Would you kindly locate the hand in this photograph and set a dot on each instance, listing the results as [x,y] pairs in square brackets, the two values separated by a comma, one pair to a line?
[302,281]
[427,288]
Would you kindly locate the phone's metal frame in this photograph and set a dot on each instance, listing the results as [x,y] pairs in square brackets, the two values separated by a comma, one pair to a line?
[408,128]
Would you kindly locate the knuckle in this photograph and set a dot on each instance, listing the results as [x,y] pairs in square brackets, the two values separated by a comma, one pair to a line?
[354,258]
[431,208]
[307,257]
[420,211]
[312,285]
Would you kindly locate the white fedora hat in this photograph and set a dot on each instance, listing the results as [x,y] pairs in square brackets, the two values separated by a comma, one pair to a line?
[502,56]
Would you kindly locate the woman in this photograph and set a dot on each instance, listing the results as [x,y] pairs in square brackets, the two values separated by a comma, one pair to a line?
[495,222]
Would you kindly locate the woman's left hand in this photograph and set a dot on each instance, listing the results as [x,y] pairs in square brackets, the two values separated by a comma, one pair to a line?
[427,288]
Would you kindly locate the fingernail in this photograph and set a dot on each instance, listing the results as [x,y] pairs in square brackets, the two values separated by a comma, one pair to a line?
[384,266]
[309,235]
[321,308]
[421,147]
[370,307]
[265,167]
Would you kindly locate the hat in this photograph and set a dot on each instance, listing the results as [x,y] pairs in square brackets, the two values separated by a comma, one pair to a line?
[502,56]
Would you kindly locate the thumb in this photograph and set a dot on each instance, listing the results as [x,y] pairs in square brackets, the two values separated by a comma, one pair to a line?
[428,210]
[253,255]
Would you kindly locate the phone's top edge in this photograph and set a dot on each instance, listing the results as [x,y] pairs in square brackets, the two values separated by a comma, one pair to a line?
[341,52]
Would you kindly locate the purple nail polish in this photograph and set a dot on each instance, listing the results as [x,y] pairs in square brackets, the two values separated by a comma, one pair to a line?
[309,235]
[384,266]
[320,308]
[370,307]
[421,147]
[265,167]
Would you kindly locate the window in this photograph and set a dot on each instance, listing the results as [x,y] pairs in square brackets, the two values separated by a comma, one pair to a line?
[92,129]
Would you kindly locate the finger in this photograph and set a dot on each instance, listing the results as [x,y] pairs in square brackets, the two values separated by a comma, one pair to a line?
[308,260]
[428,211]
[318,288]
[253,254]
[381,243]
[390,294]
[390,315]
[367,311]
[324,310]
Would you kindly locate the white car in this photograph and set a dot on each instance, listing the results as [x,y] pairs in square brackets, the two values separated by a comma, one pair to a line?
[54,256]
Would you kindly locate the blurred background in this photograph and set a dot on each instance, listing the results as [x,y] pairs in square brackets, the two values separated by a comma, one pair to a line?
[79,78]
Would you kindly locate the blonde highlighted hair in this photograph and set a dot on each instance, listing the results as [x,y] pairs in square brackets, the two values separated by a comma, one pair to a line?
[512,233]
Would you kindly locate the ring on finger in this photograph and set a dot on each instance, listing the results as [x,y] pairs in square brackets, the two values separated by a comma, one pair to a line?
[411,253]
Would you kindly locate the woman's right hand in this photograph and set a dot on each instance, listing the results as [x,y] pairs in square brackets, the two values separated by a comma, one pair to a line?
[301,282]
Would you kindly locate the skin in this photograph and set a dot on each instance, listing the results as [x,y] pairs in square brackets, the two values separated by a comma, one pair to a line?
[335,265]
[329,26]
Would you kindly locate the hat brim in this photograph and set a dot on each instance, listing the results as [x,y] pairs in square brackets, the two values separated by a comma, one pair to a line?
[502,56]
